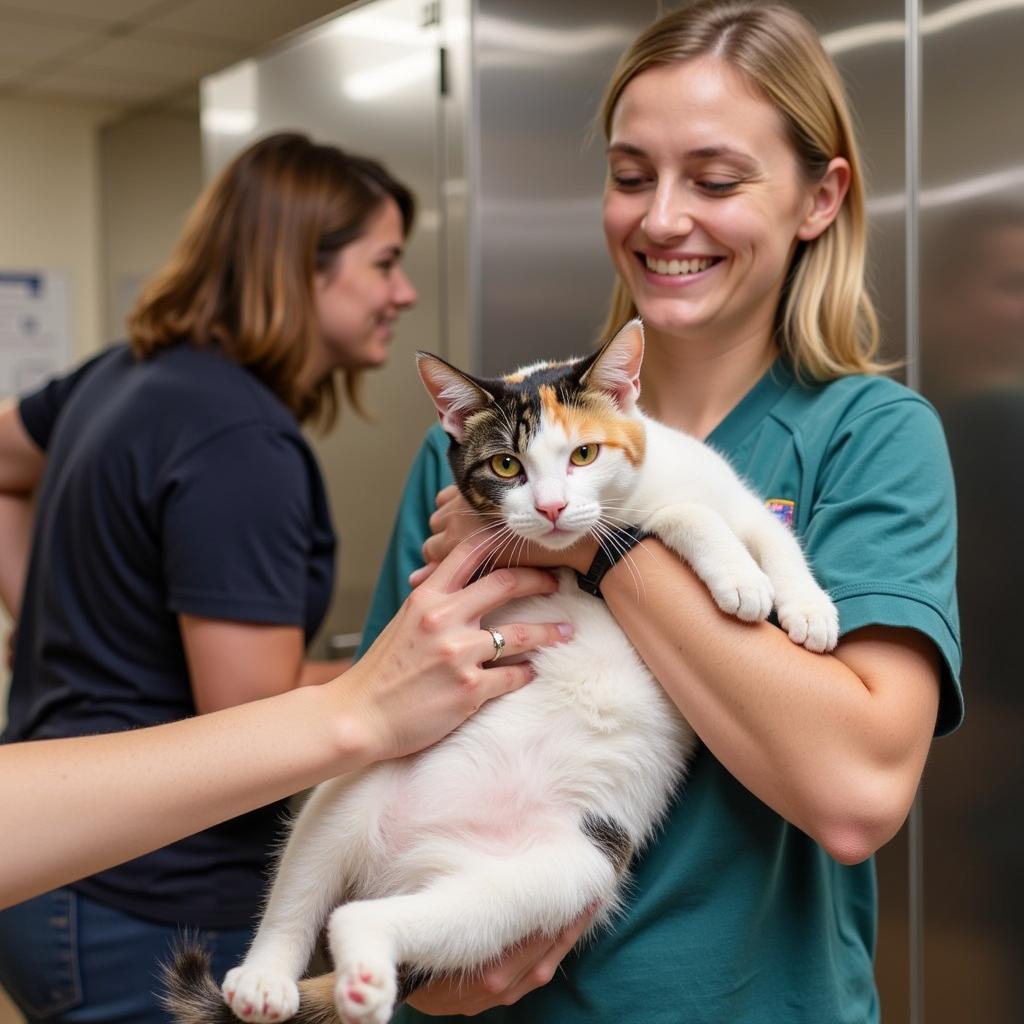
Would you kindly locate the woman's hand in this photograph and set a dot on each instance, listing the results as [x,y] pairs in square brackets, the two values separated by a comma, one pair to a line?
[504,982]
[430,668]
[455,521]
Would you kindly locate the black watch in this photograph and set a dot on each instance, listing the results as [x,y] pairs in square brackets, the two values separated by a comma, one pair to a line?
[611,548]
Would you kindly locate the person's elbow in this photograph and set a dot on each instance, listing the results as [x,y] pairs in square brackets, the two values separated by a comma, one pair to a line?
[864,821]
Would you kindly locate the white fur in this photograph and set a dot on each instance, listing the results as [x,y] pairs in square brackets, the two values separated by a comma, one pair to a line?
[450,857]
[445,859]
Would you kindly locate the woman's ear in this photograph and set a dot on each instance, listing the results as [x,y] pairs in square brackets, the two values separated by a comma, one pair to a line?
[826,199]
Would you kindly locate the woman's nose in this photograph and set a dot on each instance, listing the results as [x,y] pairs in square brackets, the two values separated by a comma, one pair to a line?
[404,294]
[669,216]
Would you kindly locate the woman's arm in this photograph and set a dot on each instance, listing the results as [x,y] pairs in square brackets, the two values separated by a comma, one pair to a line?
[74,806]
[21,467]
[834,743]
[233,662]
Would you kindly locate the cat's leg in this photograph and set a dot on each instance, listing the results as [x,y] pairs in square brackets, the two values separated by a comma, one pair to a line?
[805,611]
[466,919]
[706,542]
[322,854]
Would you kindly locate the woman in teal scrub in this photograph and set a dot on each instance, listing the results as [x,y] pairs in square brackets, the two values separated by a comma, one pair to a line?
[734,216]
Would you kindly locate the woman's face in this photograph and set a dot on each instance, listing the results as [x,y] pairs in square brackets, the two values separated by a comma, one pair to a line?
[705,201]
[359,297]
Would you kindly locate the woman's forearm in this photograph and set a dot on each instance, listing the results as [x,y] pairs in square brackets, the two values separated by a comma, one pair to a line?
[74,806]
[833,743]
[16,514]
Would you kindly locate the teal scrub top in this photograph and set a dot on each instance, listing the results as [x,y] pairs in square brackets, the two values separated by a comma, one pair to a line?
[735,916]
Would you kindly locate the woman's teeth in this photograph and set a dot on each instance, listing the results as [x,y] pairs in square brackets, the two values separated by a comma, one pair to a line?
[676,268]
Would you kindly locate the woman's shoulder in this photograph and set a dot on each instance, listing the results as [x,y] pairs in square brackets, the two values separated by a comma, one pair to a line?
[209,392]
[861,404]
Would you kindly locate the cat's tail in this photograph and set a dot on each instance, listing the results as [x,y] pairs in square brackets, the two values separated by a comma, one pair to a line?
[191,996]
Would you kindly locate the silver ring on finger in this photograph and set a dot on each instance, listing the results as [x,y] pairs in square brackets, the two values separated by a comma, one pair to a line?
[499,644]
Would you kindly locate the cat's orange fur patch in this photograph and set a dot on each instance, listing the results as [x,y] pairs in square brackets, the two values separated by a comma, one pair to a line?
[595,420]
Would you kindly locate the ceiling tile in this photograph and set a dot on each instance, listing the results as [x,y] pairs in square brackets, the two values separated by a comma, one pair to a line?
[23,45]
[255,22]
[91,87]
[156,59]
[111,11]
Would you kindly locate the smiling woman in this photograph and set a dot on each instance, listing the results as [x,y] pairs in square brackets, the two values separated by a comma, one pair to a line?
[734,217]
[359,296]
[183,551]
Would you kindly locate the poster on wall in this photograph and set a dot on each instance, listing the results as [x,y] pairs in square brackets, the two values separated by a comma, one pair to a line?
[35,327]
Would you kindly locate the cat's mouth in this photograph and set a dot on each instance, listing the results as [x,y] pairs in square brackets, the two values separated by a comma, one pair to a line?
[559,537]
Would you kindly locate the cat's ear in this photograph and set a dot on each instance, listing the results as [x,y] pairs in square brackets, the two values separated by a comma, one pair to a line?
[456,395]
[615,370]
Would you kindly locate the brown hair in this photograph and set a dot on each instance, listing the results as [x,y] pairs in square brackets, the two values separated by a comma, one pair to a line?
[826,322]
[241,275]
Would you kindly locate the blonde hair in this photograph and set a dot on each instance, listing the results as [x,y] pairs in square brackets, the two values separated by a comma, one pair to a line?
[242,273]
[826,323]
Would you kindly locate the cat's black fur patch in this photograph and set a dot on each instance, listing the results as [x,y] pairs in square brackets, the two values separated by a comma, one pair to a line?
[508,425]
[189,993]
[609,837]
[191,996]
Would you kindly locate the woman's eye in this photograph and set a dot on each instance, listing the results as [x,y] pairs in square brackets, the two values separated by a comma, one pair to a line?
[627,179]
[719,187]
[585,454]
[506,466]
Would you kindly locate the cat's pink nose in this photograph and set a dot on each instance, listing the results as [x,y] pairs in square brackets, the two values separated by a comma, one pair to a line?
[551,509]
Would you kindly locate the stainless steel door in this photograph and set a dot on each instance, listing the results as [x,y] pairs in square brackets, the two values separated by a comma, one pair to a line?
[369,82]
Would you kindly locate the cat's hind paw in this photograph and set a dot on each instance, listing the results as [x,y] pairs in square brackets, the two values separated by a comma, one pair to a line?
[260,996]
[365,992]
[811,620]
[746,593]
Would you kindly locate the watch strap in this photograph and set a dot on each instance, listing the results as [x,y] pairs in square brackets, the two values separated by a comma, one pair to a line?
[612,547]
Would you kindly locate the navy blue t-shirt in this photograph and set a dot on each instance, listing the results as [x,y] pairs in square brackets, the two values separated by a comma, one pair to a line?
[178,484]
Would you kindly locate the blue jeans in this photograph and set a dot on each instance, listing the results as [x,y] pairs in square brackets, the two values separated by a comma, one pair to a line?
[66,959]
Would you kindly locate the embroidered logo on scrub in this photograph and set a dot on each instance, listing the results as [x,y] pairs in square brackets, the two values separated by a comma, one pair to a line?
[782,509]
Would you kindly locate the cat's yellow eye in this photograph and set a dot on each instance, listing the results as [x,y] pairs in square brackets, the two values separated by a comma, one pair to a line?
[585,454]
[506,466]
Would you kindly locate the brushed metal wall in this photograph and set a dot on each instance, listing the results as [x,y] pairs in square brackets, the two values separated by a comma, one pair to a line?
[368,81]
[972,367]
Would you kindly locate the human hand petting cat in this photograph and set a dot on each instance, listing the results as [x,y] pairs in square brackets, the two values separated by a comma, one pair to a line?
[455,521]
[504,982]
[403,685]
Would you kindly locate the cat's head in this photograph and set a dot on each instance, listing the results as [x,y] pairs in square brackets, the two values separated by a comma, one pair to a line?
[554,449]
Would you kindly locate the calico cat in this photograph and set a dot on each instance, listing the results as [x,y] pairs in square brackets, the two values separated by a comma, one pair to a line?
[531,811]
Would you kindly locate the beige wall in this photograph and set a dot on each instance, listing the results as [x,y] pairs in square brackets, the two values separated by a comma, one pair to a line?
[100,199]
[49,210]
[150,173]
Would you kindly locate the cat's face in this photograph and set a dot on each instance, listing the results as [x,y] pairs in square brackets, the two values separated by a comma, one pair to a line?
[551,451]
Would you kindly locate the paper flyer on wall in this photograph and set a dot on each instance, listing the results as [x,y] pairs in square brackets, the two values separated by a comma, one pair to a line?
[35,327]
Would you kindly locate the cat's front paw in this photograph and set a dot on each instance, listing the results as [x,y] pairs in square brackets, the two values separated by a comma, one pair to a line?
[365,991]
[260,996]
[745,592]
[811,620]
